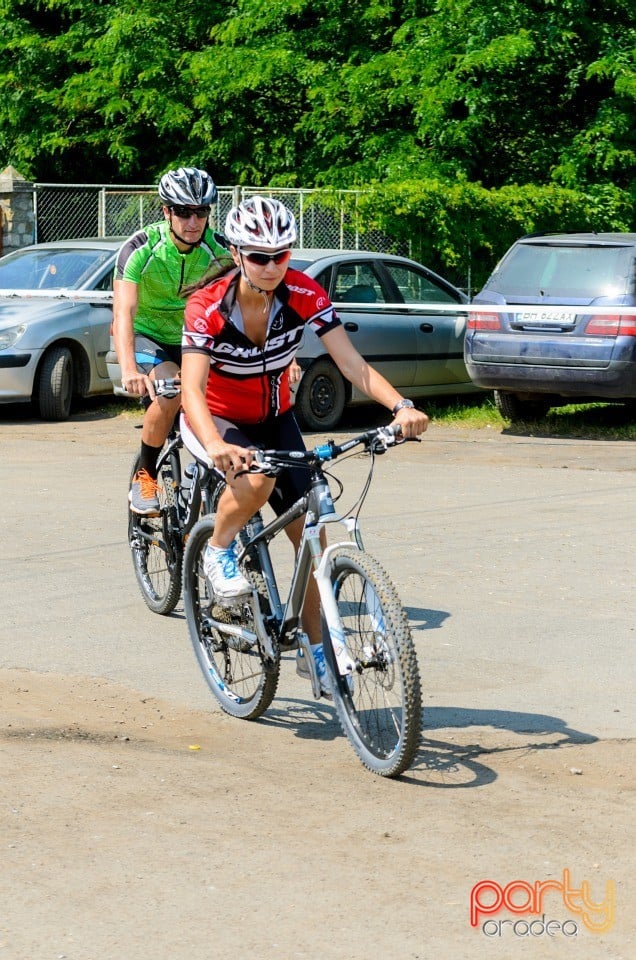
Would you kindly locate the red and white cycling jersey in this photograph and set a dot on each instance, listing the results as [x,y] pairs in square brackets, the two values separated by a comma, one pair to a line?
[247,383]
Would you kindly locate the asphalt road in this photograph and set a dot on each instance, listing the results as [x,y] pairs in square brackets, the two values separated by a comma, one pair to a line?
[514,557]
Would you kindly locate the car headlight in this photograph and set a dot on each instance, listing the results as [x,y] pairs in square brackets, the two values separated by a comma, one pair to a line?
[10,336]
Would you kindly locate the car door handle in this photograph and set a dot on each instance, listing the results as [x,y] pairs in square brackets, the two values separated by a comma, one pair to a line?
[426,327]
[351,326]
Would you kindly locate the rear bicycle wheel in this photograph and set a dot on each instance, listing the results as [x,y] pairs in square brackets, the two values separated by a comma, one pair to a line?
[156,543]
[380,706]
[237,672]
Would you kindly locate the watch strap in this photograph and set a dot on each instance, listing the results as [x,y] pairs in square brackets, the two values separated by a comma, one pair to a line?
[401,404]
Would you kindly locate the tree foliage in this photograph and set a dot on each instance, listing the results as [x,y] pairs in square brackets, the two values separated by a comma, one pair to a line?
[416,99]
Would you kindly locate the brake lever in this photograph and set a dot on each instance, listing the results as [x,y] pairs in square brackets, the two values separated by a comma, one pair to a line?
[265,467]
[388,438]
[385,438]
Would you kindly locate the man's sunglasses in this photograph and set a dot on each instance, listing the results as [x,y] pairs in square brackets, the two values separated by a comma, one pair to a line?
[262,259]
[184,213]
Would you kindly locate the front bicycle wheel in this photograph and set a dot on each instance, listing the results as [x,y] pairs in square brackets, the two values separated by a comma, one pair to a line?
[380,706]
[156,543]
[236,671]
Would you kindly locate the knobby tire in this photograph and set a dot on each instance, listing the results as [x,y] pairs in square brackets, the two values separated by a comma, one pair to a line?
[239,676]
[155,543]
[380,709]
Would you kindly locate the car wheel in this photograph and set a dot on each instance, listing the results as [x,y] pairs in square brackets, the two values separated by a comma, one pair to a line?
[55,384]
[321,397]
[513,407]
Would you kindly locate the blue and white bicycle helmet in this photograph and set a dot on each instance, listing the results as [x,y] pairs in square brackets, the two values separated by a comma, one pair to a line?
[188,187]
[260,222]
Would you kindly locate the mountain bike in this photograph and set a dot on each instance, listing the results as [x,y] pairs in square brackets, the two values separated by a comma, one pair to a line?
[369,650]
[157,542]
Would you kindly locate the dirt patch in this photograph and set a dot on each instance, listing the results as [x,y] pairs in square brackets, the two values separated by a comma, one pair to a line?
[133,829]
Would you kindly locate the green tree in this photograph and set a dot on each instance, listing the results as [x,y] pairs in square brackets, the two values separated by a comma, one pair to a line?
[463,118]
[99,90]
[520,91]
[269,85]
[293,91]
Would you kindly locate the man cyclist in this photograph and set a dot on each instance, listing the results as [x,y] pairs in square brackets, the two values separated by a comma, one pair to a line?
[153,267]
[240,335]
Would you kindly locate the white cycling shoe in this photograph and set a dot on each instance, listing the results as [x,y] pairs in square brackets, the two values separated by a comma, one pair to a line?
[222,570]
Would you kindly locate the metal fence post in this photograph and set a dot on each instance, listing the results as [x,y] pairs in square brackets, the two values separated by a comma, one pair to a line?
[101,213]
[301,217]
[35,216]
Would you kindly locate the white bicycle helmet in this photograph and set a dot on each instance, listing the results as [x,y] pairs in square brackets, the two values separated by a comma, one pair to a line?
[187,186]
[260,222]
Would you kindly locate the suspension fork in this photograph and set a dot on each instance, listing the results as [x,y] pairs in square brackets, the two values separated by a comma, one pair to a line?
[338,654]
[311,555]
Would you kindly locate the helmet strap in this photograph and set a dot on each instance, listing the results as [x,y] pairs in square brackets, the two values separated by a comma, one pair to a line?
[264,293]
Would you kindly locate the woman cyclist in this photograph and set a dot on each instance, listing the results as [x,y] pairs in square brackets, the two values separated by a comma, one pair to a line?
[240,335]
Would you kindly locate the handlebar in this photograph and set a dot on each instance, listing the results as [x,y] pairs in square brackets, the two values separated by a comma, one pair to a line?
[376,441]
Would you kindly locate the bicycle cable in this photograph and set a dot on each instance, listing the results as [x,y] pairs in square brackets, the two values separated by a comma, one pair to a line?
[356,508]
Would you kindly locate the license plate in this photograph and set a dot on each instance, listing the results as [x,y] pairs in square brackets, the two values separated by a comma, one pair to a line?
[559,317]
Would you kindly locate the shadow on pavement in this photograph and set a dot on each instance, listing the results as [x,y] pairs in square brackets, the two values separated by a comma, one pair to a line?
[421,618]
[451,765]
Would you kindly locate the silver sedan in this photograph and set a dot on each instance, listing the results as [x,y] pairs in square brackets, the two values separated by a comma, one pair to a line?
[55,316]
[387,305]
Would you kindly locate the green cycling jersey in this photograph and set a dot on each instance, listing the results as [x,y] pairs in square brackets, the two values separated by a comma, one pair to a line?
[151,260]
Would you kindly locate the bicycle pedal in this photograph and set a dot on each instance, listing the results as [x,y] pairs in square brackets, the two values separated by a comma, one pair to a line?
[288,643]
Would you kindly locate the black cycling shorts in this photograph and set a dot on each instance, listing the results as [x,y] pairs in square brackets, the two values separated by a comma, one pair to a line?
[150,353]
[277,433]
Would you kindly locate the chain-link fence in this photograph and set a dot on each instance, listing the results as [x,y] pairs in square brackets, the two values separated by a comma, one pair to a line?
[325,220]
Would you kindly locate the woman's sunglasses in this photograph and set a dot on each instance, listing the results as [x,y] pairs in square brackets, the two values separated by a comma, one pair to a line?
[262,259]
[184,213]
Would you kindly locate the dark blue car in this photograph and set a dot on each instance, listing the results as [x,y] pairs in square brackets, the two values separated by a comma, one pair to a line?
[543,352]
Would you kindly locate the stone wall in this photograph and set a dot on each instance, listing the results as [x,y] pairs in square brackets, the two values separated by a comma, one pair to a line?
[16,211]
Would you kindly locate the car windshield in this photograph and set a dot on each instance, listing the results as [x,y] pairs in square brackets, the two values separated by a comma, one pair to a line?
[50,269]
[559,270]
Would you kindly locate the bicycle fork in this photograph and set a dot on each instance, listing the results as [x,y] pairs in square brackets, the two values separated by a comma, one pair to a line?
[345,665]
[333,637]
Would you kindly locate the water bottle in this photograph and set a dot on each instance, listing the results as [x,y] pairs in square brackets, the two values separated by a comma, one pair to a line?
[187,482]
[326,508]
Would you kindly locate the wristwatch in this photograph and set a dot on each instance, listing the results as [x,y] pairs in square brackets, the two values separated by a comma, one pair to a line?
[400,406]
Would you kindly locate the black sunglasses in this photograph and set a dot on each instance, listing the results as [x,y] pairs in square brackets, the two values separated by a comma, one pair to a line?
[262,259]
[184,213]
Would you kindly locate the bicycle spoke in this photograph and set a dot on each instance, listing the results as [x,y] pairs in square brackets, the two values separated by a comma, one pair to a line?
[235,670]
[155,544]
[380,706]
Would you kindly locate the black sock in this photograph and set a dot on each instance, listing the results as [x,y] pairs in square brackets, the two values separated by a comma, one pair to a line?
[148,459]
